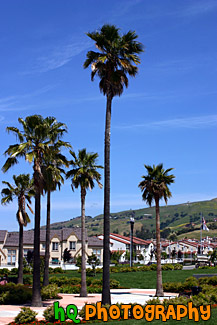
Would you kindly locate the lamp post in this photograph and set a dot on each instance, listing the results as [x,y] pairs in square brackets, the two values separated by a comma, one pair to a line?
[131,240]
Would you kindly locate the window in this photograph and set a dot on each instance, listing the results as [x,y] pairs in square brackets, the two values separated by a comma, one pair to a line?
[11,257]
[25,252]
[55,246]
[55,260]
[43,246]
[72,245]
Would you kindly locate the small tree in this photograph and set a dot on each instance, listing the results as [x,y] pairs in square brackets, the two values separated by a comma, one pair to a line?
[140,257]
[115,256]
[67,256]
[164,255]
[93,261]
[152,253]
[78,261]
[173,253]
[213,256]
[29,257]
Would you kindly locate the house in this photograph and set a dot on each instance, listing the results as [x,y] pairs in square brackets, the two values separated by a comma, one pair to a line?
[122,243]
[60,239]
[3,252]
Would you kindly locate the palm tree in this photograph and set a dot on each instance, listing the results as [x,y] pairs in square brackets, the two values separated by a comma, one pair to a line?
[22,190]
[155,187]
[83,174]
[34,139]
[52,170]
[116,58]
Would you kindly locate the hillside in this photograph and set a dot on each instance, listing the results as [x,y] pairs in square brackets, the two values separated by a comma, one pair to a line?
[182,219]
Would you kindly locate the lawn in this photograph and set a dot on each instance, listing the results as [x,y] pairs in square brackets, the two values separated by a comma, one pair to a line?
[146,280]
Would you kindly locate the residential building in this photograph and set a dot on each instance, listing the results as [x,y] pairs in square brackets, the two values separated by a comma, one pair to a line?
[60,239]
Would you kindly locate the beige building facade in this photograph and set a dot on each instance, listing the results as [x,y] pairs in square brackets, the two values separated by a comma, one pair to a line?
[60,239]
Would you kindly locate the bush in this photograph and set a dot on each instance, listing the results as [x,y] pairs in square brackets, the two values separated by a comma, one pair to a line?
[4,271]
[14,271]
[50,292]
[63,280]
[49,314]
[27,270]
[51,270]
[12,294]
[58,270]
[70,289]
[114,284]
[28,280]
[59,280]
[26,315]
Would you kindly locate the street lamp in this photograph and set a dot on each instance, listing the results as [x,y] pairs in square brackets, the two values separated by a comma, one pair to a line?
[131,240]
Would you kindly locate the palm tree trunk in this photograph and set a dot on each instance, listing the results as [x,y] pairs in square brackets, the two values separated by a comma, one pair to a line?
[36,290]
[159,290]
[83,292]
[106,296]
[47,248]
[20,258]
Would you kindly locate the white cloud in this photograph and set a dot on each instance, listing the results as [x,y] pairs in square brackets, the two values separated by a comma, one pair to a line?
[188,123]
[60,55]
[199,8]
[21,102]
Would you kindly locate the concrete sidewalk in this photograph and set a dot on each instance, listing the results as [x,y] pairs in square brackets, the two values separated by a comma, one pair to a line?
[126,296]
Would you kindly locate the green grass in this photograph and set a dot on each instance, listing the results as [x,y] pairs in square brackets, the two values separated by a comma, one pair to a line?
[145,280]
[211,321]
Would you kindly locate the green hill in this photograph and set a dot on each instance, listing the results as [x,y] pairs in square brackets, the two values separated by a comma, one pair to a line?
[182,219]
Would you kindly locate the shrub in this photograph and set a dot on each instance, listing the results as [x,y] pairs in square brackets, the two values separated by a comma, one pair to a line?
[58,270]
[15,294]
[94,289]
[63,280]
[4,271]
[190,282]
[99,270]
[178,266]
[51,270]
[114,284]
[49,314]
[26,315]
[14,271]
[89,272]
[70,289]
[50,292]
[59,280]
[27,270]
[28,280]
[176,301]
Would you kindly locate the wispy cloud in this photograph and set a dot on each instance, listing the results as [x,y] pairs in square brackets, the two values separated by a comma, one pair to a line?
[58,56]
[188,123]
[21,102]
[199,8]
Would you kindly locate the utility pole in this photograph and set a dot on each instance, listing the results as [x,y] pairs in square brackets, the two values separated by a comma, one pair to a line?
[131,240]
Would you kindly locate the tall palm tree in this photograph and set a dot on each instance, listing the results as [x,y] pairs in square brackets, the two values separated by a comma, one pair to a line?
[34,139]
[116,58]
[22,191]
[83,174]
[52,170]
[154,187]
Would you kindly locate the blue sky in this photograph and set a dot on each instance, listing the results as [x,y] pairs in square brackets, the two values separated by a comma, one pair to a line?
[167,114]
